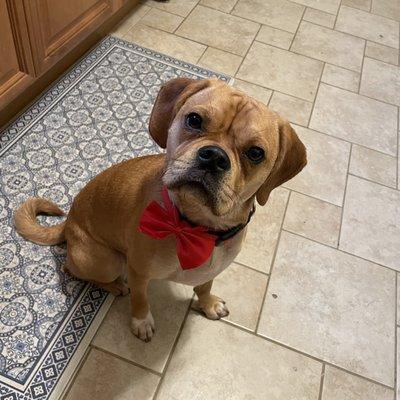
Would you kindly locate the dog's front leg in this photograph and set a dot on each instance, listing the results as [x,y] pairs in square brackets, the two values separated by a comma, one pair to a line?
[142,324]
[212,306]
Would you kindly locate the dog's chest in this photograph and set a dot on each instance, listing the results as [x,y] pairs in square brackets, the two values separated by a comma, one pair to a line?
[220,259]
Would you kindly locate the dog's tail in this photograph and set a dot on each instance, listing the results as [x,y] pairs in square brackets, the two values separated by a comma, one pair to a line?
[28,227]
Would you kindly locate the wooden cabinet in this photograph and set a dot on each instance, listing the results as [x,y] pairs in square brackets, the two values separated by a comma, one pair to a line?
[16,66]
[56,26]
[41,38]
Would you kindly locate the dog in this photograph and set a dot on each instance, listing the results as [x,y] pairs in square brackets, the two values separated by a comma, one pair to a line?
[224,151]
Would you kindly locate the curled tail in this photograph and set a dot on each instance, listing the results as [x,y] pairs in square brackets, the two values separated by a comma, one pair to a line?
[28,227]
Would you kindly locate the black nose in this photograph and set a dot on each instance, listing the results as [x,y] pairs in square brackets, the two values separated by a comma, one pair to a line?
[213,159]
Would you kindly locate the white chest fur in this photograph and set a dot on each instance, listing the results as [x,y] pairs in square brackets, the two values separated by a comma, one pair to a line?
[220,259]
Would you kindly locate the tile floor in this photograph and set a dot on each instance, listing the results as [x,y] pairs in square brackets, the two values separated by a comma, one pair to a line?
[313,295]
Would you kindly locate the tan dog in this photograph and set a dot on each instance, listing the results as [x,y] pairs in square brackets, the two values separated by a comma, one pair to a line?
[223,151]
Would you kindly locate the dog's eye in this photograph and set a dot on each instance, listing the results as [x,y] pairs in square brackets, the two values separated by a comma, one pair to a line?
[255,154]
[194,121]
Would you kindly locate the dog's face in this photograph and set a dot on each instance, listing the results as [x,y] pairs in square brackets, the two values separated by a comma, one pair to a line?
[223,147]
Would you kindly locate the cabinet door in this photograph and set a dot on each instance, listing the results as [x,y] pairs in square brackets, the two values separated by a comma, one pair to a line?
[57,26]
[16,68]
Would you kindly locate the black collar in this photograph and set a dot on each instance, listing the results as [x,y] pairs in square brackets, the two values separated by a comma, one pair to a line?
[229,233]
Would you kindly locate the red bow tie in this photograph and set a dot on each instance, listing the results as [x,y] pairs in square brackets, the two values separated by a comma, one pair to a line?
[193,244]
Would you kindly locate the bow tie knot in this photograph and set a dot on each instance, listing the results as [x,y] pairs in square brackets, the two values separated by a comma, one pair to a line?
[194,245]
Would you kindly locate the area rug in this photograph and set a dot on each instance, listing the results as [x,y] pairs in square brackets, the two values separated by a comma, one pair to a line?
[94,116]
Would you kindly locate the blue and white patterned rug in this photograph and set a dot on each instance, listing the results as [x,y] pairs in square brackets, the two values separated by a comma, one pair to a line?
[94,116]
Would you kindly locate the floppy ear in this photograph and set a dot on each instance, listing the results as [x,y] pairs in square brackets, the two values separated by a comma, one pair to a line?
[292,158]
[170,98]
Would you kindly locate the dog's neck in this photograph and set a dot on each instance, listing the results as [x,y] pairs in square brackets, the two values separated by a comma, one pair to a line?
[203,215]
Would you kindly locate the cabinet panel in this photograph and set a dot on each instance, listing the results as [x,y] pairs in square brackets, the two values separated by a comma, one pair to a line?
[16,68]
[55,26]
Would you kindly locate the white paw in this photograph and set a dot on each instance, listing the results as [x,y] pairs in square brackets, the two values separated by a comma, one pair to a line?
[143,328]
[213,308]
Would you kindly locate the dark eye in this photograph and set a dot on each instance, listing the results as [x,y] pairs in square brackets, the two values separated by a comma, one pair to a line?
[194,121]
[255,154]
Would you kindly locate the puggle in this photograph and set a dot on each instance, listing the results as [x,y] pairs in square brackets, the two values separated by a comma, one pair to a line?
[225,151]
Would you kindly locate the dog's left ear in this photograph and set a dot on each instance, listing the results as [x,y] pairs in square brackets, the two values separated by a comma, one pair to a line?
[169,100]
[292,158]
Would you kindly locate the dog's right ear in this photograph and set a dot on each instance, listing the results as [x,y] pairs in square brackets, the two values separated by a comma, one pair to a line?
[170,99]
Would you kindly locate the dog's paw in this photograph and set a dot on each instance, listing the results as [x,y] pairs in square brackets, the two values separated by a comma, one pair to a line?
[213,307]
[143,328]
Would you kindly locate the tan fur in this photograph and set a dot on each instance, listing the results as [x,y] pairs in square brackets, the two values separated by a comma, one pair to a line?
[28,227]
[101,229]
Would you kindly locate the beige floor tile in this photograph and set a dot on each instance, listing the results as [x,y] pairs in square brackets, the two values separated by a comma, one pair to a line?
[314,219]
[360,4]
[281,14]
[220,61]
[398,303]
[275,37]
[166,43]
[293,109]
[281,70]
[169,303]
[382,53]
[368,26]
[217,29]
[263,232]
[333,306]
[319,17]
[243,290]
[329,6]
[328,45]
[355,118]
[222,5]
[179,7]
[214,360]
[341,77]
[370,226]
[381,81]
[255,91]
[162,20]
[132,18]
[398,364]
[324,176]
[372,165]
[387,8]
[340,385]
[104,377]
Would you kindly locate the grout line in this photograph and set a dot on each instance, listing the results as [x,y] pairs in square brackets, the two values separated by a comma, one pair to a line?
[179,15]
[395,336]
[344,252]
[247,52]
[372,181]
[135,24]
[362,68]
[126,360]
[344,195]
[250,268]
[233,8]
[364,95]
[272,264]
[316,93]
[71,383]
[171,353]
[321,385]
[185,18]
[202,54]
[298,26]
[303,353]
[308,195]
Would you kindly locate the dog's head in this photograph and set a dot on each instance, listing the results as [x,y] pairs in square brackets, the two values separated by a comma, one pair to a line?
[223,148]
